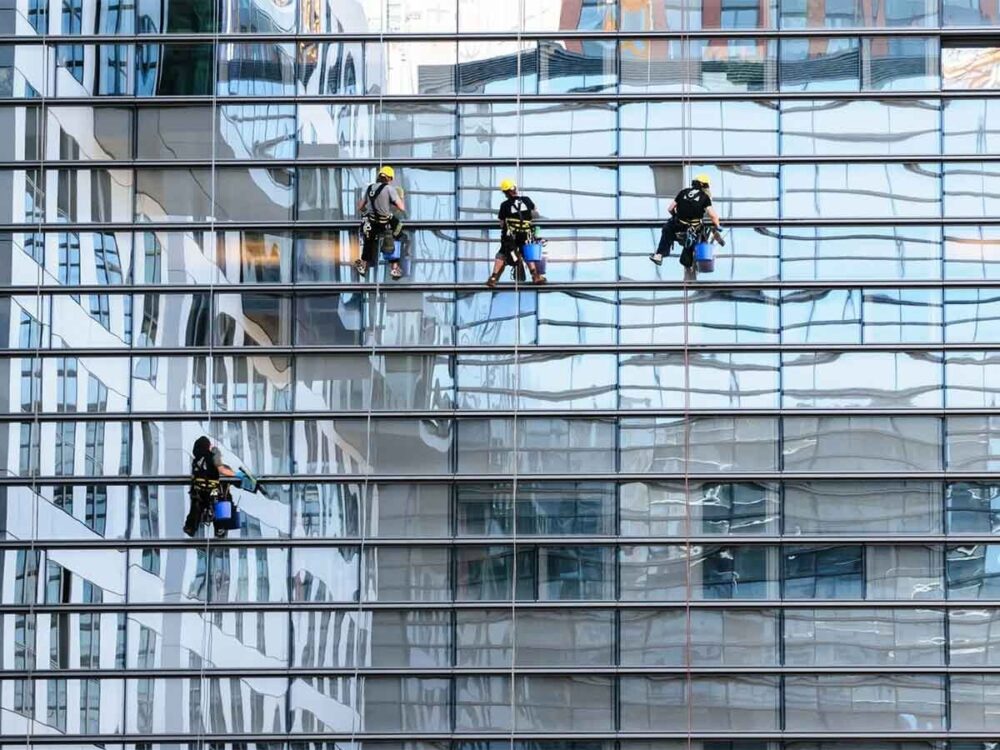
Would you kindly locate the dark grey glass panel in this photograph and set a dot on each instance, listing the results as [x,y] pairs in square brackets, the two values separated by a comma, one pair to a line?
[173,195]
[858,380]
[862,444]
[860,253]
[393,446]
[407,639]
[174,69]
[484,637]
[26,128]
[254,194]
[712,572]
[574,573]
[537,381]
[486,67]
[333,319]
[406,704]
[973,508]
[543,508]
[973,571]
[264,16]
[870,507]
[407,510]
[820,64]
[715,128]
[542,446]
[883,702]
[406,574]
[483,703]
[701,444]
[834,572]
[581,703]
[241,383]
[178,16]
[564,637]
[660,509]
[973,702]
[706,704]
[972,443]
[701,637]
[904,572]
[488,573]
[974,639]
[334,68]
[698,380]
[863,637]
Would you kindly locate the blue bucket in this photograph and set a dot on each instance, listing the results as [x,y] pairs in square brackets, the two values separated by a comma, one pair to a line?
[397,251]
[533,252]
[223,510]
[703,257]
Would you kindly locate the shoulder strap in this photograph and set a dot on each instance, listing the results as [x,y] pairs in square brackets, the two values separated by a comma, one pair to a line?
[373,195]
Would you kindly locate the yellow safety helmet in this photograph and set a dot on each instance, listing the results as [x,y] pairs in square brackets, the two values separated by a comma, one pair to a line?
[387,171]
[702,179]
[506,185]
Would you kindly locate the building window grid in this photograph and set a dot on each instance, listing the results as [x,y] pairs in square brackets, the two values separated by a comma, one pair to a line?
[55,717]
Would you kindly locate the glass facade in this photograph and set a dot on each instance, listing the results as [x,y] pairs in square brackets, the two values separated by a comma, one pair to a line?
[756,511]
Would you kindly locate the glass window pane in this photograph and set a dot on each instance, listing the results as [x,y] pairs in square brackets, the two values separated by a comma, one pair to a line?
[252,320]
[658,65]
[882,702]
[413,68]
[973,702]
[804,14]
[570,191]
[656,509]
[970,126]
[823,572]
[974,640]
[901,63]
[973,508]
[965,13]
[174,69]
[910,572]
[738,192]
[335,68]
[579,382]
[971,189]
[497,67]
[972,443]
[570,637]
[830,190]
[973,571]
[902,315]
[862,444]
[263,16]
[88,133]
[484,638]
[717,380]
[820,64]
[712,572]
[406,704]
[702,444]
[711,317]
[576,573]
[881,253]
[970,315]
[706,703]
[971,67]
[576,66]
[821,316]
[863,637]
[501,130]
[716,637]
[581,703]
[849,128]
[857,380]
[870,507]
[730,128]
[406,574]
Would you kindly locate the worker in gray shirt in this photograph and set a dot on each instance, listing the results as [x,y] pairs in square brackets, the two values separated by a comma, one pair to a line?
[379,225]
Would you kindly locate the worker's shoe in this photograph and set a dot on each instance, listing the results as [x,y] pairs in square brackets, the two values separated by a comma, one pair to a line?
[656,258]
[492,280]
[396,272]
[537,278]
[361,267]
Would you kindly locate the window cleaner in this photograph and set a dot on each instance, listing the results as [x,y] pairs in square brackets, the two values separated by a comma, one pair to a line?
[211,499]
[686,225]
[519,243]
[380,227]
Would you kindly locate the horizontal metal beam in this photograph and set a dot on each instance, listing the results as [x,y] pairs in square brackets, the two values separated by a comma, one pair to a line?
[446,672]
[524,350]
[581,98]
[506,604]
[970,35]
[466,415]
[607,161]
[762,224]
[521,541]
[451,477]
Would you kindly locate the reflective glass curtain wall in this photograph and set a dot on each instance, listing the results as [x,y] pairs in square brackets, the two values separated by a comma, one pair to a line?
[757,511]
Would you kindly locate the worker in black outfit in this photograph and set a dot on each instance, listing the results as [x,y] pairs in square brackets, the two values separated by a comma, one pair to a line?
[688,209]
[207,471]
[379,225]
[516,215]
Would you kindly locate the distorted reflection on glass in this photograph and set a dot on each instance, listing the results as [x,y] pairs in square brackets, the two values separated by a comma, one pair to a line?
[174,69]
[863,126]
[717,380]
[839,253]
[910,189]
[820,64]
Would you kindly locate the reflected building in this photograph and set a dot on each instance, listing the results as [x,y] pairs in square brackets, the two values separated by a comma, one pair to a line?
[621,512]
